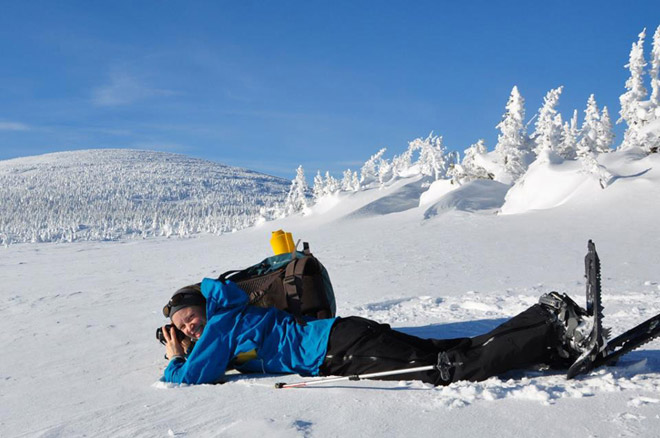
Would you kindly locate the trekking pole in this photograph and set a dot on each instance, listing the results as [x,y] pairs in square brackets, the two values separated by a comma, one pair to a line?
[281,385]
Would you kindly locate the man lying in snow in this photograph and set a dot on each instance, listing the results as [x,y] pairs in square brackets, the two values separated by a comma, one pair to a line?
[218,317]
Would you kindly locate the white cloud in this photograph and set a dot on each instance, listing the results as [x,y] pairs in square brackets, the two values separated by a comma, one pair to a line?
[13,126]
[124,89]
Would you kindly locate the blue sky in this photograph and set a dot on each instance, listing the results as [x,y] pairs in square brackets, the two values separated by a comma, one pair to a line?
[269,85]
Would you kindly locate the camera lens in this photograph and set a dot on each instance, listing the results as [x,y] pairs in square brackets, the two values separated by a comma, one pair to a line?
[159,335]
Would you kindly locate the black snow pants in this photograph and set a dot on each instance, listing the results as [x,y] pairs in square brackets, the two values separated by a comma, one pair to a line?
[360,346]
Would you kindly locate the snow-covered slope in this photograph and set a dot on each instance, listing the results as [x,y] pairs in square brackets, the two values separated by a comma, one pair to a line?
[108,194]
[609,181]
[78,320]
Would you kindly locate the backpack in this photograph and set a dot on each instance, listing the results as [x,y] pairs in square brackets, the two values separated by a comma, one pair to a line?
[295,282]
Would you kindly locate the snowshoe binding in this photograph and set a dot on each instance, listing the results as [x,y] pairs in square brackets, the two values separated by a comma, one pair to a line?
[573,325]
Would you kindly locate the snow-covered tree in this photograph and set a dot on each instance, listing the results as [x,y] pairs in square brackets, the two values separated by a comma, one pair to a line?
[655,73]
[568,146]
[605,137]
[651,140]
[451,159]
[332,186]
[384,172]
[547,133]
[469,169]
[355,182]
[401,164]
[512,148]
[590,129]
[591,166]
[369,171]
[296,200]
[319,186]
[347,181]
[631,111]
[432,159]
[457,173]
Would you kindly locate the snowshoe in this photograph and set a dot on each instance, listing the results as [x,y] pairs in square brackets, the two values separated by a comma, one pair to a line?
[629,341]
[596,341]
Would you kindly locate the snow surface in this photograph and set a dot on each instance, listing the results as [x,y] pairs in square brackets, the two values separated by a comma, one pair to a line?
[79,319]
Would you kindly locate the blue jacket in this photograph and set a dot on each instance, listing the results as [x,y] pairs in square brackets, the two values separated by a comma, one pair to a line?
[233,327]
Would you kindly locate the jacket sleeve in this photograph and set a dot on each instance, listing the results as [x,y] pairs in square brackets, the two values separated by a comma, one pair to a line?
[222,295]
[208,361]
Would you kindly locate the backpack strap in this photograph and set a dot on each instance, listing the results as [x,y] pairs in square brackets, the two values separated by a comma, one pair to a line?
[290,288]
[300,266]
[223,277]
[292,279]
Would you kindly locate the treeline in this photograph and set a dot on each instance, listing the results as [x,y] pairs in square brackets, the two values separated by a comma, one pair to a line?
[113,194]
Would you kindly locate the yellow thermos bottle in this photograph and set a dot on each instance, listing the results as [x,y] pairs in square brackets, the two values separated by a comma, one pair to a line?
[282,242]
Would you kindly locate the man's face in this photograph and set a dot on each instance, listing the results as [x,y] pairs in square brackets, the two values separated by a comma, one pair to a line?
[191,321]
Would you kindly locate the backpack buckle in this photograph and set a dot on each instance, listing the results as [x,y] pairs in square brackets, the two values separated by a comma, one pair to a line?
[290,279]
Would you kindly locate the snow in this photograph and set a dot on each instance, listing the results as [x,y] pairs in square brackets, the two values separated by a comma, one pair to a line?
[477,195]
[436,190]
[534,192]
[79,319]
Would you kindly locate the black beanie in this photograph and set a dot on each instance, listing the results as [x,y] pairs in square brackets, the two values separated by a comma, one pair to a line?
[186,297]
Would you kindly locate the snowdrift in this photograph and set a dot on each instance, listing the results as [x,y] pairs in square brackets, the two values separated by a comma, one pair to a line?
[551,182]
[394,199]
[475,196]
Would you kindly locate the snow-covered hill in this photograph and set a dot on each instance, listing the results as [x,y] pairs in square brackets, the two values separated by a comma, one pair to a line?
[78,320]
[108,194]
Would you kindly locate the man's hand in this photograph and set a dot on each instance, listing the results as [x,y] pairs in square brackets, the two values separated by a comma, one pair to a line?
[186,343]
[172,347]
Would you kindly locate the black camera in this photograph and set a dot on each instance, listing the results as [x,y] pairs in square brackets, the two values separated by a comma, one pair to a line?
[159,333]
